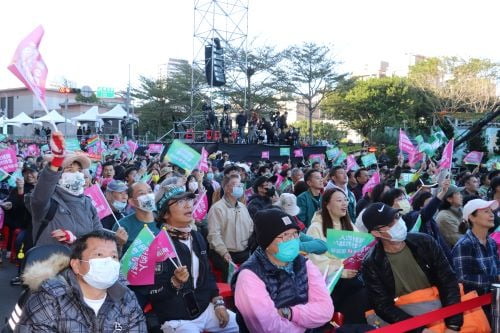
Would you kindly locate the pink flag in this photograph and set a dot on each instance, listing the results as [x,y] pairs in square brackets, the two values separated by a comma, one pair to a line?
[447,157]
[28,66]
[155,148]
[474,157]
[200,207]
[298,153]
[132,146]
[414,158]
[8,160]
[33,150]
[351,163]
[163,247]
[405,144]
[98,170]
[98,200]
[265,155]
[142,271]
[203,166]
[370,184]
[116,142]
[279,180]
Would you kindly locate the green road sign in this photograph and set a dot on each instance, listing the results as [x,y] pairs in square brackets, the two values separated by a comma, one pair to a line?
[105,92]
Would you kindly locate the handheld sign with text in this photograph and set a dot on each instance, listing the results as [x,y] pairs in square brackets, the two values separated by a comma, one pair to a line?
[265,155]
[182,155]
[298,153]
[284,151]
[98,200]
[369,160]
[8,160]
[343,244]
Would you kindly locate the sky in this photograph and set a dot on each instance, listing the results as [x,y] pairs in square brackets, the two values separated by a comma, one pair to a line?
[94,42]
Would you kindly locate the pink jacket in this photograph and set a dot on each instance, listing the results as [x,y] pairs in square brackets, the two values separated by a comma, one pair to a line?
[260,314]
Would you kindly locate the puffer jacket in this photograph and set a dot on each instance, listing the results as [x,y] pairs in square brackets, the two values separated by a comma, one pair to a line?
[257,203]
[56,303]
[74,213]
[379,279]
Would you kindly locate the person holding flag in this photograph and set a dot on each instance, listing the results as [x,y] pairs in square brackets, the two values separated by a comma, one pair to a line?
[116,195]
[185,296]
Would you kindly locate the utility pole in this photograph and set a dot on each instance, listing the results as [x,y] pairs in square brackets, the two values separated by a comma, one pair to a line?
[127,106]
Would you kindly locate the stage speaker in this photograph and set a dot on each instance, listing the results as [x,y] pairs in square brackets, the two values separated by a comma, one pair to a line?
[214,64]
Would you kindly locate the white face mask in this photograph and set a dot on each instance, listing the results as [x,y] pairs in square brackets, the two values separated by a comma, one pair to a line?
[147,202]
[72,182]
[193,186]
[119,206]
[103,272]
[398,231]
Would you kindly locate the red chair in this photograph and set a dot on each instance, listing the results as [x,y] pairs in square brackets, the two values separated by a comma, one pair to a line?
[216,135]
[224,290]
[208,135]
[189,134]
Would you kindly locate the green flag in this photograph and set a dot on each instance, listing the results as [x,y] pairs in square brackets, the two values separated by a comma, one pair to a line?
[344,244]
[285,151]
[3,175]
[182,155]
[419,139]
[139,245]
[340,158]
[146,177]
[406,178]
[12,180]
[332,153]
[332,279]
[418,223]
[231,268]
[369,159]
[72,144]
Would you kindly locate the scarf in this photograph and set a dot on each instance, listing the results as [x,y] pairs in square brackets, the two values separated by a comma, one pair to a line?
[178,233]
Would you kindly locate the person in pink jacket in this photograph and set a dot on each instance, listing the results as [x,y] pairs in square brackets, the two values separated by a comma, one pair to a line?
[276,289]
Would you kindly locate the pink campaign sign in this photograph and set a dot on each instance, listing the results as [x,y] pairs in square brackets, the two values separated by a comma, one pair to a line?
[8,160]
[98,200]
[155,148]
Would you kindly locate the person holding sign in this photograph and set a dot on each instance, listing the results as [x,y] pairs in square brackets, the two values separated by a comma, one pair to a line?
[276,289]
[349,296]
[404,263]
[185,296]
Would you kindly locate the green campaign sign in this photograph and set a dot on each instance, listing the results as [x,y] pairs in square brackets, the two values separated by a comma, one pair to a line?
[105,92]
[182,155]
[72,144]
[344,244]
[332,153]
[284,151]
[369,159]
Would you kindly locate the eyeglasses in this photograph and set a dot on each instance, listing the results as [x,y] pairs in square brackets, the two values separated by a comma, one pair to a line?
[289,236]
[183,202]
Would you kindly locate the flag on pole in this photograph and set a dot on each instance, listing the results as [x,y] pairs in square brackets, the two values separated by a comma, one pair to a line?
[162,247]
[351,163]
[474,157]
[203,166]
[98,200]
[405,144]
[447,157]
[28,66]
[3,174]
[231,269]
[284,151]
[369,159]
[332,279]
[417,225]
[131,260]
[371,183]
[298,153]
[200,208]
[340,158]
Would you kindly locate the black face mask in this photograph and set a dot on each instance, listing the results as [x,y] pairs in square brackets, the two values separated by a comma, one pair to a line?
[270,192]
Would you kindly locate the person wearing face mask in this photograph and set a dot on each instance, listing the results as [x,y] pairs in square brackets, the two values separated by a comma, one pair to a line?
[265,194]
[288,292]
[117,196]
[81,293]
[142,199]
[402,263]
[62,184]
[229,227]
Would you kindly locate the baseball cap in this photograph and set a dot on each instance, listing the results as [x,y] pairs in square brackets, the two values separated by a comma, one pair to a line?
[116,186]
[378,214]
[271,222]
[452,190]
[473,205]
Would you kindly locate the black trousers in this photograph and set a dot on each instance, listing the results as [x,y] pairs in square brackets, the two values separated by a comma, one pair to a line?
[351,299]
[222,265]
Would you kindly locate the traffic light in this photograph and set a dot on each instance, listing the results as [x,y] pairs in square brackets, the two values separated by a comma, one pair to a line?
[214,68]
[67,90]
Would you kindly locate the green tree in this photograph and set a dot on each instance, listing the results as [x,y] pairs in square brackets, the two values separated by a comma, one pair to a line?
[370,105]
[477,143]
[321,130]
[260,88]
[456,85]
[309,72]
[92,99]
[163,100]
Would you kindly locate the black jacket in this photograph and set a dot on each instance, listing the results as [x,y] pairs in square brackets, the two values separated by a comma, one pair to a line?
[379,280]
[168,303]
[257,202]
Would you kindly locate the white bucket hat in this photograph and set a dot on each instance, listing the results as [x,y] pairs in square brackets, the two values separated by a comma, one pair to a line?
[288,202]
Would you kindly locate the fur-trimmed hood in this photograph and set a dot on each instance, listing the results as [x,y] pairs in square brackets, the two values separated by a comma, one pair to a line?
[40,271]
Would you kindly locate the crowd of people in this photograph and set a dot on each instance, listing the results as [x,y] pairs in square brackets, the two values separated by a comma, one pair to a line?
[265,232]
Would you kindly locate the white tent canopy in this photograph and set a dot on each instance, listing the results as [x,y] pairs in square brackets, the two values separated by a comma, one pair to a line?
[23,119]
[116,113]
[89,115]
[53,116]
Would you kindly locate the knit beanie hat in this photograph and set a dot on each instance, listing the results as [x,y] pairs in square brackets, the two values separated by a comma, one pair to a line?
[271,222]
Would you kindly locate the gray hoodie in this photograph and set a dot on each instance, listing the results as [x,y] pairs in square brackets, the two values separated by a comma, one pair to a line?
[74,213]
